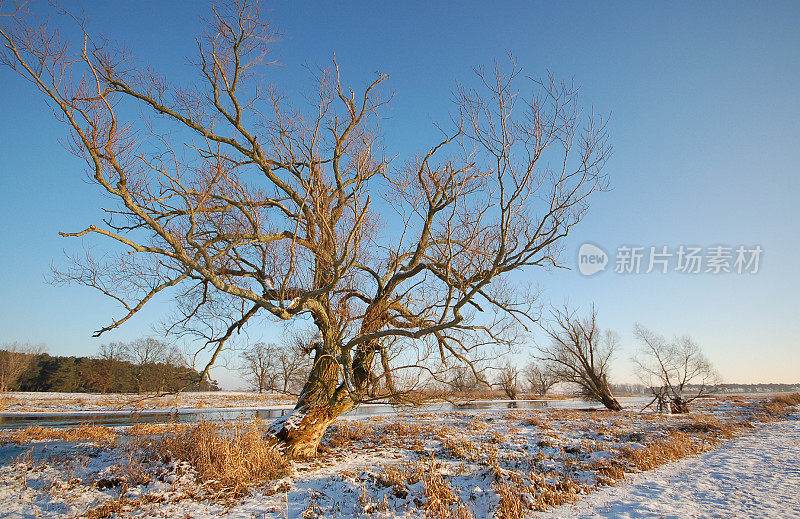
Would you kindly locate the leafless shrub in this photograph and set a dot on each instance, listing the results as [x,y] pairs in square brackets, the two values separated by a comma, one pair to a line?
[508,380]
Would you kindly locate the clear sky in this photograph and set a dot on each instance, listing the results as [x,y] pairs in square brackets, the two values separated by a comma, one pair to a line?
[705,124]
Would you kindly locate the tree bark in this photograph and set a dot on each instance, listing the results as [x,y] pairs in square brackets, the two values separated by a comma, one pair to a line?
[322,400]
[610,402]
[678,406]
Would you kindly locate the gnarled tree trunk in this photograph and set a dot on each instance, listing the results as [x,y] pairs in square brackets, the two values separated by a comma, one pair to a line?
[322,400]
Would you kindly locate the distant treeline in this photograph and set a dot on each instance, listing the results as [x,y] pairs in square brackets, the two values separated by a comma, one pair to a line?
[641,389]
[758,388]
[92,375]
[141,366]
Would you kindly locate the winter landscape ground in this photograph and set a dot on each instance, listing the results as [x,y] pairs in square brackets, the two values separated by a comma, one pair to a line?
[742,459]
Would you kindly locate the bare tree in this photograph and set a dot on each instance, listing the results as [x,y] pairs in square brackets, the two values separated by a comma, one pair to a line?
[462,379]
[580,353]
[508,380]
[283,369]
[258,366]
[539,380]
[242,204]
[677,372]
[15,359]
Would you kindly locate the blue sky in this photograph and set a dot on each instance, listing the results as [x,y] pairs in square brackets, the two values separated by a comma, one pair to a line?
[705,124]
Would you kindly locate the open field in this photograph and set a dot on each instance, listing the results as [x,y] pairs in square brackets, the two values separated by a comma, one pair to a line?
[450,464]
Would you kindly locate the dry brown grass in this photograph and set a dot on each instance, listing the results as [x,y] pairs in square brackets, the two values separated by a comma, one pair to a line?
[676,446]
[534,421]
[789,400]
[459,448]
[705,424]
[92,433]
[778,407]
[115,507]
[345,433]
[511,505]
[228,458]
[405,429]
[146,429]
[440,500]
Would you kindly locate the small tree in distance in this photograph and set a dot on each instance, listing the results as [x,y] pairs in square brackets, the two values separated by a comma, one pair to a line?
[539,380]
[508,380]
[281,369]
[580,353]
[677,372]
[258,366]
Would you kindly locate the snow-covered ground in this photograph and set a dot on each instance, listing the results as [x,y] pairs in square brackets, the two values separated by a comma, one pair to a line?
[755,475]
[474,463]
[89,402]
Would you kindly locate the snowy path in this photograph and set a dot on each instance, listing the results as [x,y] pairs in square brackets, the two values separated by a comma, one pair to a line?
[755,475]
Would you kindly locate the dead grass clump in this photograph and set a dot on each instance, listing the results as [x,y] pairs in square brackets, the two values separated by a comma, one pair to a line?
[439,495]
[404,429]
[609,472]
[511,505]
[346,433]
[788,400]
[107,509]
[778,407]
[149,429]
[114,507]
[228,458]
[533,421]
[400,474]
[557,494]
[676,446]
[459,448]
[708,424]
[93,433]
[440,500]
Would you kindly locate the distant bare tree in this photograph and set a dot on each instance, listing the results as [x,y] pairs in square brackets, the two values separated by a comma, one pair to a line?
[243,204]
[677,372]
[508,380]
[463,379]
[15,359]
[580,353]
[282,369]
[258,366]
[539,380]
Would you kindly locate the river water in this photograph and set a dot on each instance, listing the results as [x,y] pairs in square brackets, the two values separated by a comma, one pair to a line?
[13,420]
